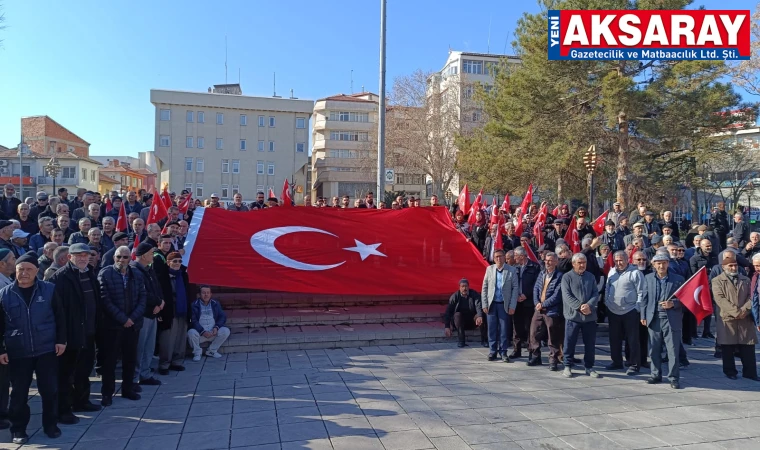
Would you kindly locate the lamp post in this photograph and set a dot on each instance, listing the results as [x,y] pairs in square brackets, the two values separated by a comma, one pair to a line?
[589,160]
[447,194]
[52,169]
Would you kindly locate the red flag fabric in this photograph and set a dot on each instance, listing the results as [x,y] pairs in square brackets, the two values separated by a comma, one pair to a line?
[286,199]
[271,194]
[555,211]
[121,222]
[325,251]
[184,205]
[499,240]
[495,216]
[695,295]
[529,252]
[166,198]
[527,200]
[505,206]
[157,211]
[109,205]
[464,200]
[134,247]
[599,223]
[609,263]
[571,237]
[475,207]
[538,228]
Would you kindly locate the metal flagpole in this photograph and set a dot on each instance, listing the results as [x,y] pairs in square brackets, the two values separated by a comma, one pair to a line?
[381,112]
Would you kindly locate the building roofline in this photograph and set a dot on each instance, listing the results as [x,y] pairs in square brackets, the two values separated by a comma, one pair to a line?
[230,95]
[488,55]
[45,116]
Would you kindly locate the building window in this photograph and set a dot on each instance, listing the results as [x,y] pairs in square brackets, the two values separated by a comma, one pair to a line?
[271,121]
[189,117]
[270,169]
[225,191]
[189,142]
[242,145]
[260,168]
[166,114]
[164,141]
[201,142]
[235,189]
[201,119]
[70,149]
[259,188]
[472,66]
[189,187]
[84,174]
[92,175]
[476,116]
[220,118]
[69,172]
[300,122]
[300,147]
[198,190]
[235,166]
[468,91]
[219,143]
[243,120]
[188,164]
[348,136]
[225,166]
[261,146]
[345,116]
[261,121]
[271,146]
[199,165]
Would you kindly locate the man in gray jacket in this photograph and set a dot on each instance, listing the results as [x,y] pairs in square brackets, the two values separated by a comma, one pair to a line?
[624,295]
[500,291]
[580,297]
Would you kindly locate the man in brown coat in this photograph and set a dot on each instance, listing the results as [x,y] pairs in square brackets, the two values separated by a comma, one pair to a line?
[736,329]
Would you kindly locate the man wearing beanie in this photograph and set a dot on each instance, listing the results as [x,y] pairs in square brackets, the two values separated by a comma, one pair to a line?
[32,336]
[77,290]
[119,239]
[154,303]
[612,237]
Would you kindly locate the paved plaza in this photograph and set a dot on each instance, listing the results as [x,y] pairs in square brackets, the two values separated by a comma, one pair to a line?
[426,396]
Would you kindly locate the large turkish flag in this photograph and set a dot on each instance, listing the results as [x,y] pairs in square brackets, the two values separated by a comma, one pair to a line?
[331,251]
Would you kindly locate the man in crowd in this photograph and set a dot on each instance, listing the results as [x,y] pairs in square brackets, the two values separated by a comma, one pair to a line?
[580,297]
[8,202]
[6,233]
[639,213]
[147,201]
[119,239]
[95,237]
[638,232]
[78,201]
[237,203]
[612,237]
[93,213]
[63,196]
[153,306]
[27,223]
[259,203]
[138,229]
[7,270]
[87,199]
[741,229]
[719,223]
[60,258]
[465,311]
[77,290]
[123,299]
[624,295]
[501,288]
[39,207]
[31,339]
[547,301]
[527,273]
[616,214]
[207,325]
[132,205]
[109,224]
[81,236]
[46,259]
[45,225]
[661,313]
[62,223]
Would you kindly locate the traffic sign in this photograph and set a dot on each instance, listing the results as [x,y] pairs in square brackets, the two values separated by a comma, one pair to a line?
[389,176]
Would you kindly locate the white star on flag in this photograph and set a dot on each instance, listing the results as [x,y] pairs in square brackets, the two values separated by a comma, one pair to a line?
[365,250]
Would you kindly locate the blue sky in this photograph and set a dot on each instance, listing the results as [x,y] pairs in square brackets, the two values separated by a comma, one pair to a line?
[91,64]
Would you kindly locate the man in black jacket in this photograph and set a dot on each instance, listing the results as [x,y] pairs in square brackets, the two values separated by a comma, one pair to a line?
[76,288]
[123,297]
[6,232]
[612,237]
[466,312]
[719,222]
[153,305]
[9,203]
[527,273]
[741,230]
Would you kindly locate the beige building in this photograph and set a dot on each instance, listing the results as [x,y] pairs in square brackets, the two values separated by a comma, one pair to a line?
[344,152]
[222,142]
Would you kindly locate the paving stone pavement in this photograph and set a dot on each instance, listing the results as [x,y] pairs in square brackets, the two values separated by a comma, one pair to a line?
[427,396]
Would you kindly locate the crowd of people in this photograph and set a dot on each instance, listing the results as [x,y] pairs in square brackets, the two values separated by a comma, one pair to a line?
[625,275]
[77,295]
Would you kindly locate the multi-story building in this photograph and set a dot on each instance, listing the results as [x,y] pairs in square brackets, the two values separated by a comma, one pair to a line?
[344,152]
[144,165]
[224,142]
[128,178]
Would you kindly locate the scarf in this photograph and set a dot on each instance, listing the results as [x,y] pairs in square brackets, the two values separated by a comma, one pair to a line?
[180,306]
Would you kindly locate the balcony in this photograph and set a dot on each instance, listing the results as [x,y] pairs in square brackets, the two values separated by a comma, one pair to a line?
[326,124]
[58,181]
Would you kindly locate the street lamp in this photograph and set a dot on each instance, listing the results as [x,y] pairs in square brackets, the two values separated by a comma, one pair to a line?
[52,169]
[589,160]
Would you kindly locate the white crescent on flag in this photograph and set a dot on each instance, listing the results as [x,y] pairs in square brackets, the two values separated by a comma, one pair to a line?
[696,295]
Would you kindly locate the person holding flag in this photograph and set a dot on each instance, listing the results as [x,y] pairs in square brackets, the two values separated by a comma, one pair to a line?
[736,327]
[661,312]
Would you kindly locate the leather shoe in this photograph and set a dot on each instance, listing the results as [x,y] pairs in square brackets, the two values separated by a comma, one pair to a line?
[68,419]
[163,371]
[614,367]
[131,395]
[731,377]
[515,355]
[654,380]
[176,368]
[492,357]
[107,401]
[534,362]
[553,367]
[87,407]
[675,384]
[150,382]
[752,378]
[53,433]
[646,365]
[460,344]
[20,437]
[136,388]
[4,424]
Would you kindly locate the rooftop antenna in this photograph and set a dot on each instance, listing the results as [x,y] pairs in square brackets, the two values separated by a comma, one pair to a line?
[489,34]
[225,59]
[274,84]
[238,75]
[352,81]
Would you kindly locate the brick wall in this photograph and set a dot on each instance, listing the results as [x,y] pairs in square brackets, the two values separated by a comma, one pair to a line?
[33,128]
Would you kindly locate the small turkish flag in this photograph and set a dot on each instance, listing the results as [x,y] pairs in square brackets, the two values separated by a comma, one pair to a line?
[494,212]
[157,210]
[555,211]
[505,204]
[134,246]
[609,263]
[286,200]
[121,222]
[109,205]
[599,223]
[271,194]
[529,252]
[527,200]
[538,228]
[166,198]
[464,200]
[499,244]
[571,237]
[475,208]
[695,295]
[184,205]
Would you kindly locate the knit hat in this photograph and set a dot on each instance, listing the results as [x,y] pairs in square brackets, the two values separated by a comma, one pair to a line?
[3,253]
[119,236]
[29,257]
[608,223]
[143,248]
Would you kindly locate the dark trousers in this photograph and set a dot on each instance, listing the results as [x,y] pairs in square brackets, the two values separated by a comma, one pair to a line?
[689,325]
[75,367]
[465,322]
[746,354]
[555,330]
[643,342]
[588,331]
[499,328]
[521,320]
[625,325]
[5,387]
[117,341]
[21,371]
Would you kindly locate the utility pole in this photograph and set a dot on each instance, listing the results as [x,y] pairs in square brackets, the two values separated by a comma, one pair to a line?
[589,160]
[381,113]
[622,167]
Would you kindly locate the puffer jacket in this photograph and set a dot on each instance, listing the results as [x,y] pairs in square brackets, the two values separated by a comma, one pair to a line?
[120,303]
[552,306]
[34,330]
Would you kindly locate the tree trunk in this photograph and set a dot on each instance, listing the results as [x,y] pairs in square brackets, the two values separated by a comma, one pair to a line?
[695,219]
[622,167]
[559,189]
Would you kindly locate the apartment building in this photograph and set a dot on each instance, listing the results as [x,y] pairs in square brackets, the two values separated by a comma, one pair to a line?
[344,152]
[144,165]
[223,142]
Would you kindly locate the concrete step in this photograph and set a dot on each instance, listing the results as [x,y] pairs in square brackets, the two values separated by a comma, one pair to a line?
[266,300]
[283,317]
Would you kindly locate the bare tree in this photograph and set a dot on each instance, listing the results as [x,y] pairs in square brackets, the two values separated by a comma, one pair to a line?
[731,175]
[2,22]
[747,73]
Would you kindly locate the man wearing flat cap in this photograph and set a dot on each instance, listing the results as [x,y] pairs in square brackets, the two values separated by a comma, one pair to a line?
[6,233]
[77,290]
[119,239]
[662,314]
[32,336]
[154,303]
[638,232]
[466,312]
